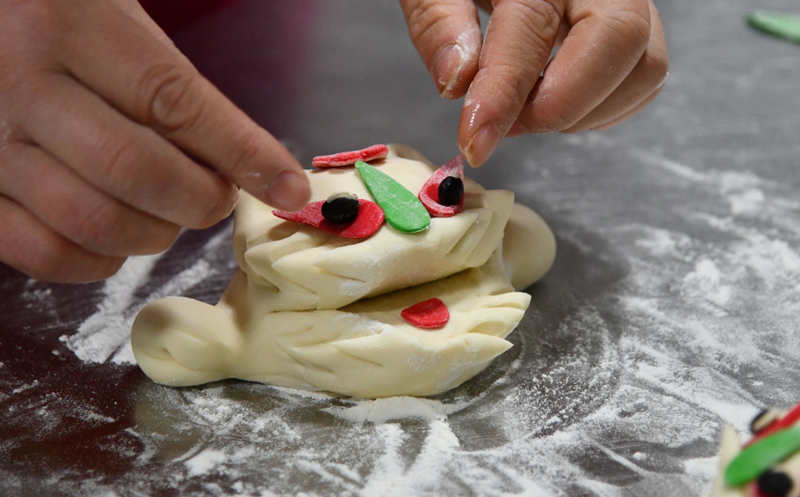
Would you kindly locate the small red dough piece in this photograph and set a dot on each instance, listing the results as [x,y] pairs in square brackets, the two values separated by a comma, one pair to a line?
[791,417]
[369,220]
[429,193]
[349,158]
[428,314]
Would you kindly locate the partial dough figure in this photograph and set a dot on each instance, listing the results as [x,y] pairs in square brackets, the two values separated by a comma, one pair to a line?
[310,310]
[772,476]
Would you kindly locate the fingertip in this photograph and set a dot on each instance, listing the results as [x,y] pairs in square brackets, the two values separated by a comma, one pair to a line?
[234,199]
[289,190]
[482,144]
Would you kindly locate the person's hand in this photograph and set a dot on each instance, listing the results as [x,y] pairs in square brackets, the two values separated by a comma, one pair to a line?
[611,61]
[110,141]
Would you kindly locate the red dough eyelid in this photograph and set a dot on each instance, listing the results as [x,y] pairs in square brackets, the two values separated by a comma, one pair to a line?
[429,193]
[788,420]
[341,159]
[369,220]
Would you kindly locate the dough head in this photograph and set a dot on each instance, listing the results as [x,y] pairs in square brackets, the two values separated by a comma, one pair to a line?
[309,310]
[311,269]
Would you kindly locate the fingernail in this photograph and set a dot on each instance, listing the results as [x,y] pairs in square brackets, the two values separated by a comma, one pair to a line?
[234,200]
[447,66]
[289,190]
[516,130]
[663,81]
[480,148]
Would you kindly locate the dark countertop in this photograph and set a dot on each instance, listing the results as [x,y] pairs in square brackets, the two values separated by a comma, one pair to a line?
[671,309]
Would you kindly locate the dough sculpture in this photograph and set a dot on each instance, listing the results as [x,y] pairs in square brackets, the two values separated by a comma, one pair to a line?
[768,465]
[393,313]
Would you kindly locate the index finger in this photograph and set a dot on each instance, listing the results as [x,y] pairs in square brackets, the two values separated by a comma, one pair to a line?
[518,42]
[157,86]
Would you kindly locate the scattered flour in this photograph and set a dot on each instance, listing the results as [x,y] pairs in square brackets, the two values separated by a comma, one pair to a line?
[392,408]
[105,335]
[622,374]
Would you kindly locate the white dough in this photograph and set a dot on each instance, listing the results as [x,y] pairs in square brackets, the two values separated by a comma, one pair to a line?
[310,310]
[309,268]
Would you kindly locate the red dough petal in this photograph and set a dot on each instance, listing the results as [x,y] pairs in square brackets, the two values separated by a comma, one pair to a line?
[786,421]
[429,194]
[428,314]
[369,220]
[349,158]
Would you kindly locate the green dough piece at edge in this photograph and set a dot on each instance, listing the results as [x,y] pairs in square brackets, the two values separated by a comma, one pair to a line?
[781,25]
[760,456]
[402,208]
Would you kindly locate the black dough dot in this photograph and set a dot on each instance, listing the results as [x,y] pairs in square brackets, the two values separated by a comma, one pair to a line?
[774,483]
[340,210]
[451,191]
[757,424]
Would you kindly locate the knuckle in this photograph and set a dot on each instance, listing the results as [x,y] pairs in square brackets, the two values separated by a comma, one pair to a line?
[167,97]
[95,228]
[120,157]
[244,162]
[552,114]
[424,17]
[632,25]
[546,13]
[536,30]
[508,86]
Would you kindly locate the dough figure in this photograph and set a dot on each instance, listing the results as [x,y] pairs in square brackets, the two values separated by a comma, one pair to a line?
[308,309]
[768,465]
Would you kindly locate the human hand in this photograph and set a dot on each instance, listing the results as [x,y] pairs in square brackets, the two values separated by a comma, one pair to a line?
[106,130]
[611,62]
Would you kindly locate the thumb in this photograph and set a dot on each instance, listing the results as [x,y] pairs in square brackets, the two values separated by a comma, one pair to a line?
[447,36]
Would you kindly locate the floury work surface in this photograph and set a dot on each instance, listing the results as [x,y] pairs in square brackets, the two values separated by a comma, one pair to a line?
[670,311]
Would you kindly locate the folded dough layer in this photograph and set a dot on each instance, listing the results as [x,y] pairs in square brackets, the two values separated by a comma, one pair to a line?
[363,350]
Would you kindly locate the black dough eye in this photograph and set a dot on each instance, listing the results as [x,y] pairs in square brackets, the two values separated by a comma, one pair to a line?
[451,191]
[763,419]
[774,483]
[340,208]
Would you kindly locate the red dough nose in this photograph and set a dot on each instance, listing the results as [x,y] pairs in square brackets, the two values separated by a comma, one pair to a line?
[428,314]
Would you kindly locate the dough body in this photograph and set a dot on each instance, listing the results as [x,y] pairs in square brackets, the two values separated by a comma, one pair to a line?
[309,310]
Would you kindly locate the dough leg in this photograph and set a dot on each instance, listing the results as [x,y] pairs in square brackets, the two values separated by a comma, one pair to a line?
[179,341]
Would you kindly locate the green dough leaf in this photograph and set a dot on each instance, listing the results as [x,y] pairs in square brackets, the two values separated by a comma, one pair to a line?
[402,208]
[757,458]
[780,25]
